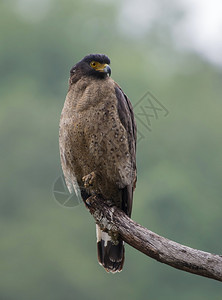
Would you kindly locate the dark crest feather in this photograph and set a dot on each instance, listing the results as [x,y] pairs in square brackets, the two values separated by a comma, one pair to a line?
[101,58]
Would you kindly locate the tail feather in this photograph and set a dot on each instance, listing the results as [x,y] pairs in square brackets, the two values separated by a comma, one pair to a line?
[110,256]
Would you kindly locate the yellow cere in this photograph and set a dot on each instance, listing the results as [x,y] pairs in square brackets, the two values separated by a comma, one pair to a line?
[98,66]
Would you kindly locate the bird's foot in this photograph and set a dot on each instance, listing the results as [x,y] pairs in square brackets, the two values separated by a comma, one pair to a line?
[89,179]
[114,236]
[110,203]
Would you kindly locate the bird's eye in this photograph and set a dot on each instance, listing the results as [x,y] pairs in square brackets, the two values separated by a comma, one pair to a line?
[93,64]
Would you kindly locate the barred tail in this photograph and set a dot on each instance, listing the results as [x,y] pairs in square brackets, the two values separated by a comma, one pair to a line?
[110,256]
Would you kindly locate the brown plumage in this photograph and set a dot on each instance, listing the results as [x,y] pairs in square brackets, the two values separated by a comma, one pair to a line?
[98,145]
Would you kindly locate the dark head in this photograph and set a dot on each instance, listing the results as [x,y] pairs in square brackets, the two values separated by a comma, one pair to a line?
[96,65]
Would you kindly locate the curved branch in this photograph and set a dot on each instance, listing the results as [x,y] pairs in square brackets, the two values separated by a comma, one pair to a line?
[110,218]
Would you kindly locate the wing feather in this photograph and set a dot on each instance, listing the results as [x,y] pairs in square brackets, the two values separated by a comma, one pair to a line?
[125,111]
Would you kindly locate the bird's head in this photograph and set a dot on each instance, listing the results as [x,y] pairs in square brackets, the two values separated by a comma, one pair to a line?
[96,65]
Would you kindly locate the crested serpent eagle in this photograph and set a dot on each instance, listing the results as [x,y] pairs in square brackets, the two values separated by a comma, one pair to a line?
[98,146]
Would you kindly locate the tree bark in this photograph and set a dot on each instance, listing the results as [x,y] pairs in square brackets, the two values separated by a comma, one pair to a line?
[113,220]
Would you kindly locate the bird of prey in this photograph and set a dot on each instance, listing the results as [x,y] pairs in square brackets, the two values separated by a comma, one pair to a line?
[98,146]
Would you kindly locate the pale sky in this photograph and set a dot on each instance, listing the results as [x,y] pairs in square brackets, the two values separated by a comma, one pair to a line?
[199,30]
[203,27]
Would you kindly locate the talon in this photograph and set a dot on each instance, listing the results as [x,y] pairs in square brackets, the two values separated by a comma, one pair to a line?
[109,203]
[88,202]
[89,179]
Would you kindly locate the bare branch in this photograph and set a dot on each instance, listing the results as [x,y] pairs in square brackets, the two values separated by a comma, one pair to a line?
[110,218]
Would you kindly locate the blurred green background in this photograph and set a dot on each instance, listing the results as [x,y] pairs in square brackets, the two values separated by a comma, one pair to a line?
[48,251]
